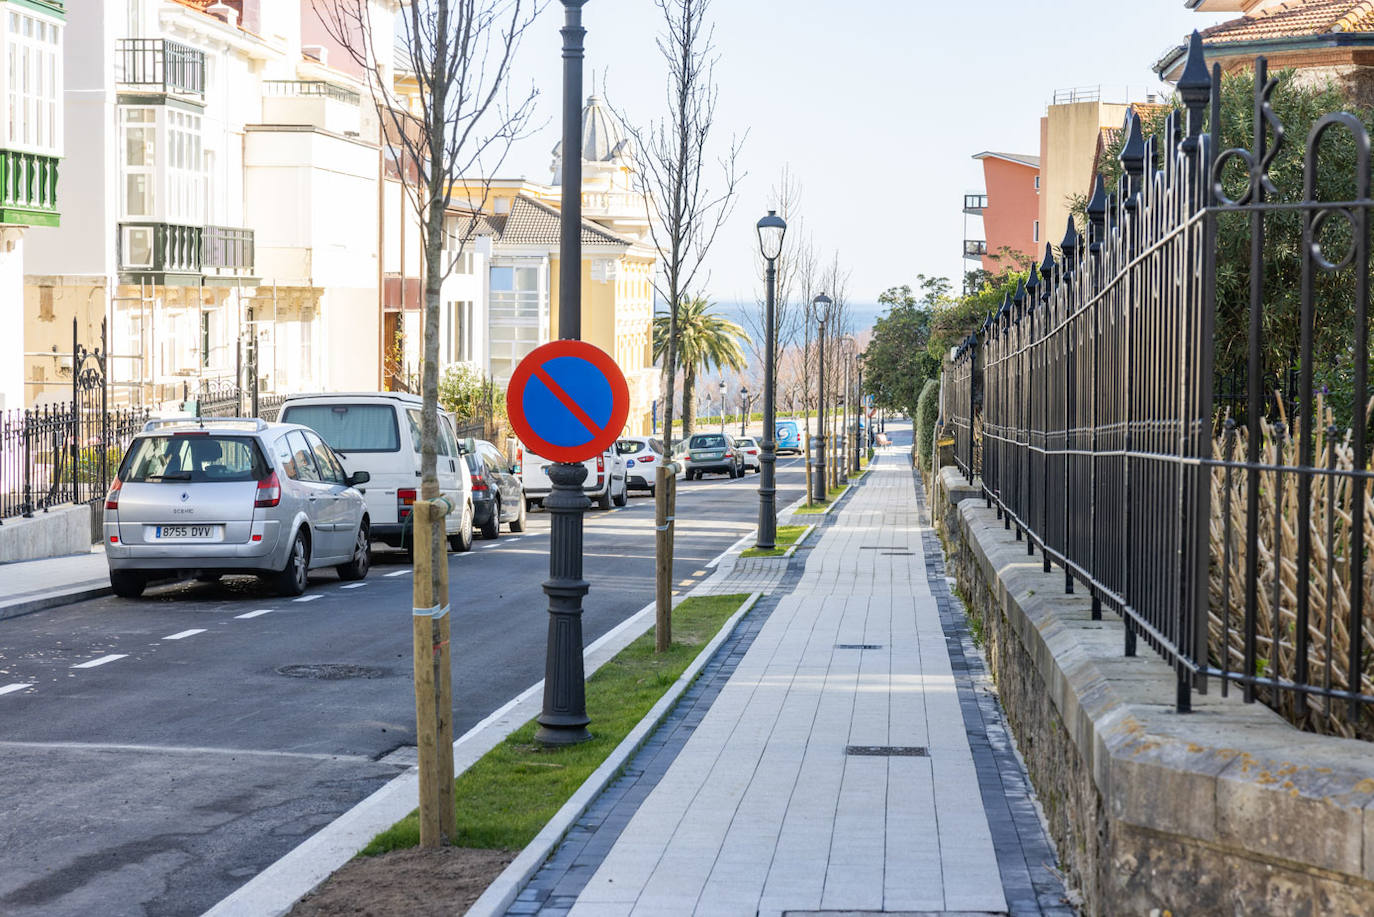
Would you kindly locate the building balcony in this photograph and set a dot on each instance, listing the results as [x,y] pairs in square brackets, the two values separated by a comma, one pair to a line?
[975,249]
[314,102]
[159,65]
[28,189]
[975,204]
[171,254]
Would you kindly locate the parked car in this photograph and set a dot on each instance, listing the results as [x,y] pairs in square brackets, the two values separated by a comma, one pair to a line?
[788,437]
[714,453]
[379,432]
[605,482]
[750,452]
[498,496]
[215,496]
[643,455]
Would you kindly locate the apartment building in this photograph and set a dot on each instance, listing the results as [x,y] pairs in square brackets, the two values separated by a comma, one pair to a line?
[31,145]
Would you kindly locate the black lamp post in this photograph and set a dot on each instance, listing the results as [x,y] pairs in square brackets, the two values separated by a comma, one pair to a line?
[564,718]
[867,428]
[744,407]
[722,405]
[771,230]
[821,306]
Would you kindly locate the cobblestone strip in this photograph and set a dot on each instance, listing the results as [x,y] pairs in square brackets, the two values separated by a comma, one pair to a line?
[1025,857]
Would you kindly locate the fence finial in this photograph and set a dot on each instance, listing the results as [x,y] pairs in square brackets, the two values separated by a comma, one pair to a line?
[1069,247]
[1132,158]
[1018,299]
[1097,215]
[1195,85]
[1046,273]
[1032,286]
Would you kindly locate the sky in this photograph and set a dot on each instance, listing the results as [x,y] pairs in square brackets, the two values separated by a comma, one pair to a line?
[875,105]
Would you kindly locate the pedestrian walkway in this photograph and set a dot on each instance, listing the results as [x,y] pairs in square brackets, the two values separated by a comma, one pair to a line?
[33,584]
[832,771]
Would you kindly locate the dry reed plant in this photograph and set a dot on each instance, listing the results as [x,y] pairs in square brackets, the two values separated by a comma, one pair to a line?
[1329,572]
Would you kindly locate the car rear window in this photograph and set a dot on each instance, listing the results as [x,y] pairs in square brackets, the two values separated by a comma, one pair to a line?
[349,427]
[707,441]
[630,447]
[197,458]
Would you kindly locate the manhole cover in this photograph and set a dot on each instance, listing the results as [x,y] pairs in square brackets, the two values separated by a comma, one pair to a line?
[330,671]
[858,646]
[887,751]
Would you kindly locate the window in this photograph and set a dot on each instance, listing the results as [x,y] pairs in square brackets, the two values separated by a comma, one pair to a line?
[458,339]
[34,81]
[1037,183]
[138,146]
[349,427]
[163,166]
[205,339]
[517,305]
[305,462]
[1035,231]
[185,169]
[194,458]
[282,448]
[330,469]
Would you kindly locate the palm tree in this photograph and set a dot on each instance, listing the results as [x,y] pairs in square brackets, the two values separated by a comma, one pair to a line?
[705,342]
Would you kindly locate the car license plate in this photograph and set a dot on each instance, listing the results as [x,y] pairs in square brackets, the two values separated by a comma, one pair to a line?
[187,531]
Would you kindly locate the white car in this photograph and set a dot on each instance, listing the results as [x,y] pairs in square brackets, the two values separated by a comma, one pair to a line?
[379,432]
[605,482]
[643,455]
[751,450]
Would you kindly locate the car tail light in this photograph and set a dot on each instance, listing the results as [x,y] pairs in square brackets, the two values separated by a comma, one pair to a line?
[405,499]
[478,483]
[112,498]
[647,458]
[269,491]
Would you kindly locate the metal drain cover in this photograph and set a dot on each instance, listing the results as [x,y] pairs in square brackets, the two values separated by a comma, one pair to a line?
[897,554]
[887,751]
[330,671]
[858,646]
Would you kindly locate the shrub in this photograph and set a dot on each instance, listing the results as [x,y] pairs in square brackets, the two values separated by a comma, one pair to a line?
[927,413]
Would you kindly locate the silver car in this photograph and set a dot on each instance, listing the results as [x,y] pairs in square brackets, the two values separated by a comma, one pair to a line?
[214,496]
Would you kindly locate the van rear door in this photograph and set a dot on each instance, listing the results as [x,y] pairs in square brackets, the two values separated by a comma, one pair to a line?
[367,436]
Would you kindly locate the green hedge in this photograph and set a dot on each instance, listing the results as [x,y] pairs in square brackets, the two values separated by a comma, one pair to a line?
[927,413]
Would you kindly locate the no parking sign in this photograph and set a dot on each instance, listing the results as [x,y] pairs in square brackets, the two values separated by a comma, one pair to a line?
[568,401]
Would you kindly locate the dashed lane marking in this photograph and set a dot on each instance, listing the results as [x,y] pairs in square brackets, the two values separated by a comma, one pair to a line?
[308,598]
[400,573]
[185,633]
[10,689]
[254,614]
[353,586]
[92,663]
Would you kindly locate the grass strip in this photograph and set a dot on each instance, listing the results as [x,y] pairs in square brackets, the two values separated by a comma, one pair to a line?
[786,537]
[507,797]
[830,497]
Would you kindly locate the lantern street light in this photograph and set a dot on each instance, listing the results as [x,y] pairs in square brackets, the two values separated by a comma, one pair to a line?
[722,405]
[771,229]
[821,306]
[744,407]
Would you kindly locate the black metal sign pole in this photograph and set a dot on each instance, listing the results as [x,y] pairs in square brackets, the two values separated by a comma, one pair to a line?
[564,719]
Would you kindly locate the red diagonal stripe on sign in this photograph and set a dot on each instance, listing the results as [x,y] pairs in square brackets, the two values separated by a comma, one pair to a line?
[566,400]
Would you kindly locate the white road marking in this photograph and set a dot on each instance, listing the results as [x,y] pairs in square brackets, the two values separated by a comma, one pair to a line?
[353,586]
[10,689]
[92,663]
[308,598]
[184,634]
[254,614]
[399,573]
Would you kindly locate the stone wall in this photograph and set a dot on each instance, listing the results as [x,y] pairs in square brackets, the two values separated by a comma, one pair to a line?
[1226,810]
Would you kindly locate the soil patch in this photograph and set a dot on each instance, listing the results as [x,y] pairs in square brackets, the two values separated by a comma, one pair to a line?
[406,883]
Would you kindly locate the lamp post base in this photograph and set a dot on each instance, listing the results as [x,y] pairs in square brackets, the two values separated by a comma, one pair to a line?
[564,718]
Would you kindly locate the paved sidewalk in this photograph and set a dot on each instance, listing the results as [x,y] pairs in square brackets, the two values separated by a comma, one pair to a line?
[30,585]
[833,770]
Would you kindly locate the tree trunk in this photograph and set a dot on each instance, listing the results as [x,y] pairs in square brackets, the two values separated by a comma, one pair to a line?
[689,414]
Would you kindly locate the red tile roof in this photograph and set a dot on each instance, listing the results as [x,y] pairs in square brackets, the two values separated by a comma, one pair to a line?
[1295,18]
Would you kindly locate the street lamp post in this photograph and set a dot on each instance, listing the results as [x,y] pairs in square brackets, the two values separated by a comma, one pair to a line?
[564,718]
[744,408]
[771,229]
[867,438]
[821,305]
[722,405]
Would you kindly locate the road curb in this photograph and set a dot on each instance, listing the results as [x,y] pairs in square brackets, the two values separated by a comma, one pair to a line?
[501,894]
[28,606]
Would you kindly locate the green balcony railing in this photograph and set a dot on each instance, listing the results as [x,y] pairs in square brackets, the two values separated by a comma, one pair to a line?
[28,189]
[174,248]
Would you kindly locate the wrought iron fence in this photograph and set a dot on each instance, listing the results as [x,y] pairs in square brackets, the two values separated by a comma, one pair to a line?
[1229,532]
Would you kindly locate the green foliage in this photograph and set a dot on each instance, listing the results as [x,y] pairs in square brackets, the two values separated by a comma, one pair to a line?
[705,341]
[965,314]
[898,361]
[465,393]
[1298,104]
[507,797]
[927,413]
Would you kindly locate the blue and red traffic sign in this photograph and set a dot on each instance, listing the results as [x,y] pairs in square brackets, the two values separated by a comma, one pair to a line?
[568,401]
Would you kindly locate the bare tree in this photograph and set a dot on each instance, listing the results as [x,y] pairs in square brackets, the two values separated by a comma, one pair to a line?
[685,207]
[454,57]
[785,198]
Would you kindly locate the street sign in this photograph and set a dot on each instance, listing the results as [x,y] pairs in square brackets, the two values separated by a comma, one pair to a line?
[568,401]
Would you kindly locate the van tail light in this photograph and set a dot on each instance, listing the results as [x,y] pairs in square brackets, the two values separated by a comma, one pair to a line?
[601,464]
[112,498]
[478,484]
[405,499]
[269,491]
[520,460]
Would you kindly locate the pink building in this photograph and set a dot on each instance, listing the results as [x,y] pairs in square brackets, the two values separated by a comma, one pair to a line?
[1009,209]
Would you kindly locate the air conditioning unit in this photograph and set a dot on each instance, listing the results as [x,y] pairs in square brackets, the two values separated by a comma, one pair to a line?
[136,248]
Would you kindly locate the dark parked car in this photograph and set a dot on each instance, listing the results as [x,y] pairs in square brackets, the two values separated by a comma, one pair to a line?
[498,496]
[713,452]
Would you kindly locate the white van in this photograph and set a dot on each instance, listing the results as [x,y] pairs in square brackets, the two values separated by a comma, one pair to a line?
[605,482]
[379,432]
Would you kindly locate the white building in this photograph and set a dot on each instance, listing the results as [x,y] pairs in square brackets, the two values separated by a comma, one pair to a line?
[225,157]
[31,146]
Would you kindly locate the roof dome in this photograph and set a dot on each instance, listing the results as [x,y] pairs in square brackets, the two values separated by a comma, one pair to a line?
[601,136]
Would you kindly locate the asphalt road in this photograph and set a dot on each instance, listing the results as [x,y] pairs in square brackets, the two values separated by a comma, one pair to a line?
[207,745]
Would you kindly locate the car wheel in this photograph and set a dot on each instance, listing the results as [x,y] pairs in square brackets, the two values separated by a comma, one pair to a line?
[358,566]
[604,501]
[623,497]
[127,585]
[292,579]
[492,527]
[461,540]
[652,490]
[518,524]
